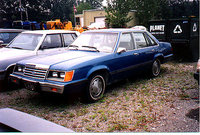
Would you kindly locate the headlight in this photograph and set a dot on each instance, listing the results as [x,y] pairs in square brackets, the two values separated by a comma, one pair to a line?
[55,74]
[19,69]
[60,76]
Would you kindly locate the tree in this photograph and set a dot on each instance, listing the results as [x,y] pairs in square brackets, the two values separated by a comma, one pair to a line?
[10,9]
[117,13]
[148,9]
[94,3]
[83,6]
[61,9]
[164,9]
[184,8]
[38,10]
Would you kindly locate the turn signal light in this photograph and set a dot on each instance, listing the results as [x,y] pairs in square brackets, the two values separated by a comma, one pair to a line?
[54,89]
[69,76]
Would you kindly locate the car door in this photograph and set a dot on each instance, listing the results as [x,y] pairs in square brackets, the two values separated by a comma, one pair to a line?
[124,62]
[51,44]
[146,48]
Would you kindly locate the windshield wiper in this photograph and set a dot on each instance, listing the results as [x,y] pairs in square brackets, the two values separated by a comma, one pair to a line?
[75,46]
[91,47]
[16,47]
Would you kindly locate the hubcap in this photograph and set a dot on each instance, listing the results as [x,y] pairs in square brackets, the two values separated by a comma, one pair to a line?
[97,87]
[156,68]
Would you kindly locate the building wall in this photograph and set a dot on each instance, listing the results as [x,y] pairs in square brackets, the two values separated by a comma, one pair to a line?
[90,15]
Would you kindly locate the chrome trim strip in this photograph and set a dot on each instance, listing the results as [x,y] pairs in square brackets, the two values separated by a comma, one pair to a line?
[43,83]
[39,66]
[168,56]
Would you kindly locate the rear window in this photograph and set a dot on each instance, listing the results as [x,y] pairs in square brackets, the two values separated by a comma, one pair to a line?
[8,37]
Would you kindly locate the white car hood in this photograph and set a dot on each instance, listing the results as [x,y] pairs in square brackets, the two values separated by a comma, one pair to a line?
[9,56]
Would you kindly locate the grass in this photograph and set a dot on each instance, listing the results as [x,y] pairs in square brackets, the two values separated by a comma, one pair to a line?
[129,106]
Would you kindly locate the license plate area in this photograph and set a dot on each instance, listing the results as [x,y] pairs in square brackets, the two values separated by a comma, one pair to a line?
[32,86]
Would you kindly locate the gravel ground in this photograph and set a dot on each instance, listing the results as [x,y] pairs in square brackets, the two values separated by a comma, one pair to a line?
[168,103]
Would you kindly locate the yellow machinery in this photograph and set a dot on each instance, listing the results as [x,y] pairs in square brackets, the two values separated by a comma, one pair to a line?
[53,25]
[57,24]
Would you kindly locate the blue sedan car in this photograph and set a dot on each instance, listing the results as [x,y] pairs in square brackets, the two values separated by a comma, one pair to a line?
[93,61]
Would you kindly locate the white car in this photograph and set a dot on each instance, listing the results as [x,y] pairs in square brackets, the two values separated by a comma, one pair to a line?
[32,43]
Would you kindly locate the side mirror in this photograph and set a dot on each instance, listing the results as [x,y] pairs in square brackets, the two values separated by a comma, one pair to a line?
[121,50]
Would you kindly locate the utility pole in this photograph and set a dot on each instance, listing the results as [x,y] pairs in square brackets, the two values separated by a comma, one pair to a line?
[20,7]
[75,16]
[26,14]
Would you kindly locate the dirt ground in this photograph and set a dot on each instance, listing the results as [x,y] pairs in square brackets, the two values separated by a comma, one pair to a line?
[168,103]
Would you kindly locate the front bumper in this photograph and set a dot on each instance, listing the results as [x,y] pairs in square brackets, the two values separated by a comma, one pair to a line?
[55,87]
[168,58]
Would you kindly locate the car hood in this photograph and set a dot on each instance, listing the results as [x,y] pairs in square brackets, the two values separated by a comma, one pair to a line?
[12,53]
[71,57]
[10,56]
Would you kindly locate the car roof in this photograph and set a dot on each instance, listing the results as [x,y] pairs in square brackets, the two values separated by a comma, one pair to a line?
[50,31]
[116,30]
[11,30]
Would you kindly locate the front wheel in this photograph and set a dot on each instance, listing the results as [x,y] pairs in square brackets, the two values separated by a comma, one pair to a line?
[96,88]
[155,69]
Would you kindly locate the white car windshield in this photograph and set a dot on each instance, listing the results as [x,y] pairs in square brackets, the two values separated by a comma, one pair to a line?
[103,42]
[25,41]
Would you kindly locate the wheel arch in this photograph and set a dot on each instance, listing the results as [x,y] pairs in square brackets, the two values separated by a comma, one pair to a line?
[160,57]
[10,69]
[100,70]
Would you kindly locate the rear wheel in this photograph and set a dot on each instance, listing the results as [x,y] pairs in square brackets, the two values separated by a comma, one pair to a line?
[96,88]
[155,69]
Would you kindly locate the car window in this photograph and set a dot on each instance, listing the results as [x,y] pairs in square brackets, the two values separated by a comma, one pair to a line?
[68,39]
[7,37]
[51,41]
[140,40]
[151,42]
[126,41]
[74,36]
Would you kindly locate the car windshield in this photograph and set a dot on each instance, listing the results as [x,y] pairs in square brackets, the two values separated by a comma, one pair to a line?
[26,41]
[7,37]
[103,42]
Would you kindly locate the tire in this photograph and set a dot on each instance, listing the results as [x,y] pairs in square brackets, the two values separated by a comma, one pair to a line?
[155,69]
[96,88]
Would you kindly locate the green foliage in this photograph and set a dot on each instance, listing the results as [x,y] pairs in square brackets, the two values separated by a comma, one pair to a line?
[117,13]
[38,10]
[164,9]
[94,3]
[61,9]
[146,9]
[183,8]
[44,10]
[83,6]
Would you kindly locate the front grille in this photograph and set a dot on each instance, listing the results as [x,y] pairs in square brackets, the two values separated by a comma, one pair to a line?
[35,72]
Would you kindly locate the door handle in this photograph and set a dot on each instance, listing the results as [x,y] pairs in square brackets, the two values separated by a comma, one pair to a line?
[136,54]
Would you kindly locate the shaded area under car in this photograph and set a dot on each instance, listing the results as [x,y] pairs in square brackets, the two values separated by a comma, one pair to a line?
[193,114]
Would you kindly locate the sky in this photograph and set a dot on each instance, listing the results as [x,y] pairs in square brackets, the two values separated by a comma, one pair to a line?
[104,2]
